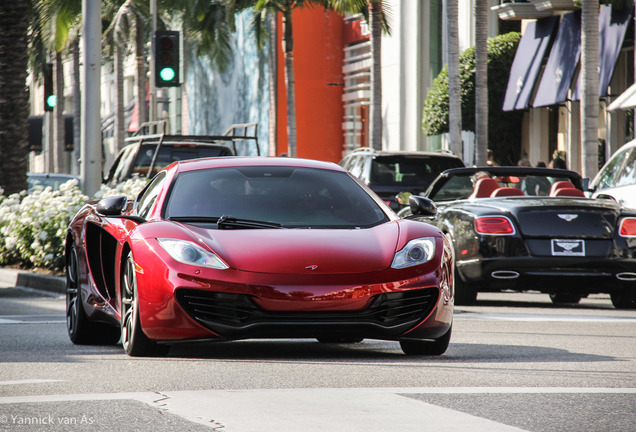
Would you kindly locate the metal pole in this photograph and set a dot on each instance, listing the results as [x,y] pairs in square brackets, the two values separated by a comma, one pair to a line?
[152,115]
[91,137]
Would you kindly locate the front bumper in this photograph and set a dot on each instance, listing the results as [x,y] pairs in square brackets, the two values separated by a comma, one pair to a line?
[247,305]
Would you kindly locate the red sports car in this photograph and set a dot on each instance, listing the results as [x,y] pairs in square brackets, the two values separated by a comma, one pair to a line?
[235,248]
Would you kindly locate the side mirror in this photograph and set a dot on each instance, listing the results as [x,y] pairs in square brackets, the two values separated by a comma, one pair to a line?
[421,206]
[112,206]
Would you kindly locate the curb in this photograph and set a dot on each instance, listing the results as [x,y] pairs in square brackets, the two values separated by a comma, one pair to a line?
[10,278]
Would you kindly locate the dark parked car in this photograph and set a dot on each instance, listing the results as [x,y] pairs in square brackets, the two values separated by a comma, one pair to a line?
[389,173]
[509,235]
[146,155]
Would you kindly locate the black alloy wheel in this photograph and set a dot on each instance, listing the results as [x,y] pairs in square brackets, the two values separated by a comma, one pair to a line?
[80,329]
[133,339]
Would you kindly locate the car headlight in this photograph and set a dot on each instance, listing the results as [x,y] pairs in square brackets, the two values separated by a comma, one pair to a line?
[415,252]
[189,253]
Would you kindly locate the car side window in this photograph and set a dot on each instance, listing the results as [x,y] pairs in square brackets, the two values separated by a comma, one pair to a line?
[627,176]
[357,166]
[148,196]
[607,178]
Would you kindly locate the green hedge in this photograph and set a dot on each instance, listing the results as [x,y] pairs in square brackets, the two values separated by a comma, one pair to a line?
[504,128]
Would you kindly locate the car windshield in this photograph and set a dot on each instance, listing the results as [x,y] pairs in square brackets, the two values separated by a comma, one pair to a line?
[169,153]
[291,197]
[465,185]
[403,170]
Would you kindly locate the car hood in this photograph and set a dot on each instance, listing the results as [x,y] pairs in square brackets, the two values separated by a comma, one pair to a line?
[318,251]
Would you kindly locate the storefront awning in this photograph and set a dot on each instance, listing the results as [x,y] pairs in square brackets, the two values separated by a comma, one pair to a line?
[626,100]
[612,26]
[562,63]
[527,63]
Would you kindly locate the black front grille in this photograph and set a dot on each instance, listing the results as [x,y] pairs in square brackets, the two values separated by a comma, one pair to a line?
[226,310]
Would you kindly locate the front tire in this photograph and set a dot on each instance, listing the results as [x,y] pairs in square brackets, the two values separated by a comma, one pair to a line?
[82,331]
[133,339]
[433,347]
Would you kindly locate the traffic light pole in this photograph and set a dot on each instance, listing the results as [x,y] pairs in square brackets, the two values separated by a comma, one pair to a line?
[152,112]
[91,137]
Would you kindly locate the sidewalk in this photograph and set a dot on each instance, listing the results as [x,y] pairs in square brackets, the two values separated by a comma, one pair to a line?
[10,278]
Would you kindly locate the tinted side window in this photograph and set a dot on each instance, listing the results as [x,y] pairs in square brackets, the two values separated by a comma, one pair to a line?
[149,195]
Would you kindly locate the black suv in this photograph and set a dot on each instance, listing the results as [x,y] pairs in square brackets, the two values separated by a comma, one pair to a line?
[146,155]
[389,173]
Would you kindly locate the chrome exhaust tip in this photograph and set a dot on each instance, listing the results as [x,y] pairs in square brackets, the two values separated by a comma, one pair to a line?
[505,274]
[626,276]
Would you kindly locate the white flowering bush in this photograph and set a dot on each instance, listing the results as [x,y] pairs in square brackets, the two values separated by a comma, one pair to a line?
[33,225]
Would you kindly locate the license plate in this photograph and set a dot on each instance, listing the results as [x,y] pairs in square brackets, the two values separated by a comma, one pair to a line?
[561,247]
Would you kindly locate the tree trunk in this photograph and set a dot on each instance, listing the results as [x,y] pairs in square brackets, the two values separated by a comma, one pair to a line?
[77,109]
[375,107]
[118,61]
[288,49]
[14,95]
[589,89]
[481,82]
[58,116]
[141,71]
[454,80]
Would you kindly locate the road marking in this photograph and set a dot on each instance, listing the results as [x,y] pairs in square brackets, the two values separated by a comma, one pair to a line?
[32,319]
[541,317]
[314,409]
[29,381]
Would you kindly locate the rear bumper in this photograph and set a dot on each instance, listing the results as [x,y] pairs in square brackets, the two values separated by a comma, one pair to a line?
[550,275]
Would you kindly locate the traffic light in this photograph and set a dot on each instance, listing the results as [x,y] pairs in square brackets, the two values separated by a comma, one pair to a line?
[49,96]
[166,51]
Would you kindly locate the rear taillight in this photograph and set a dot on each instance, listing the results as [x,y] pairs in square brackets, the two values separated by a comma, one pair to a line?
[627,227]
[494,225]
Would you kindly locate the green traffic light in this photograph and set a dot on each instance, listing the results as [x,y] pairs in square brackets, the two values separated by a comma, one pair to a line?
[167,74]
[51,101]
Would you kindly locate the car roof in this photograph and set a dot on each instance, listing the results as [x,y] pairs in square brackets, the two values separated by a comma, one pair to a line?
[373,152]
[237,161]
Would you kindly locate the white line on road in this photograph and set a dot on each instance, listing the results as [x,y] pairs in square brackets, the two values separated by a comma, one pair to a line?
[29,381]
[542,318]
[319,409]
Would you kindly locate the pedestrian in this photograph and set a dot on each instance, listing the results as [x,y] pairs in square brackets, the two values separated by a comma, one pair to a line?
[490,161]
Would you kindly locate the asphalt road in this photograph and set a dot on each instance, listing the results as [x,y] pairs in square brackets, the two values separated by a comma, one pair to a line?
[515,362]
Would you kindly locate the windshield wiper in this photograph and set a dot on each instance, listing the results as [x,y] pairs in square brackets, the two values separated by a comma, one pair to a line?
[228,222]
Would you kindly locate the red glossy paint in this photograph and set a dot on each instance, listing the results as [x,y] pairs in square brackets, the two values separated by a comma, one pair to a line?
[300,278]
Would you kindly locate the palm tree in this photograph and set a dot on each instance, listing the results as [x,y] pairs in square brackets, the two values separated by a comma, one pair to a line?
[59,22]
[481,81]
[14,96]
[589,87]
[128,17]
[454,84]
[375,115]
[286,8]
